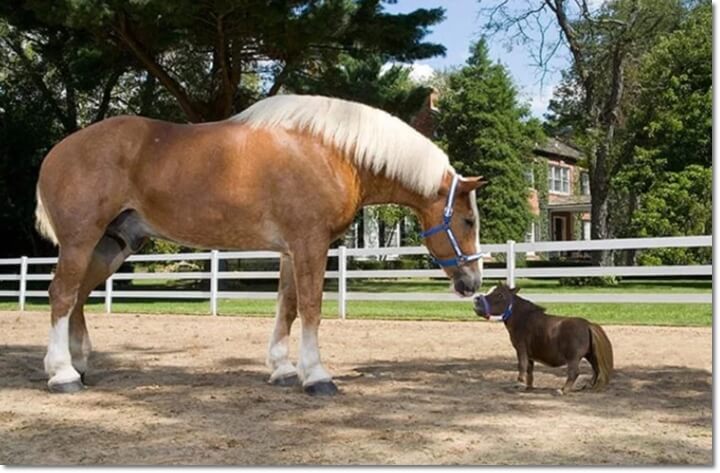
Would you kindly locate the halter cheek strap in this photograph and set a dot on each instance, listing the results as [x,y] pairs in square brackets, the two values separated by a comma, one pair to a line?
[460,258]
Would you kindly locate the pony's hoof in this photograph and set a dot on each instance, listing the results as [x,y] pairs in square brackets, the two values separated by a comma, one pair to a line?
[286,381]
[520,386]
[560,392]
[66,388]
[323,388]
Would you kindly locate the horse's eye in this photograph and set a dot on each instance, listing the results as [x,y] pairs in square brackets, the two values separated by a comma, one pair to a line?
[469,222]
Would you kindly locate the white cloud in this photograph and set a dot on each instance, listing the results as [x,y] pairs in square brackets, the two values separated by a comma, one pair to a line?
[420,73]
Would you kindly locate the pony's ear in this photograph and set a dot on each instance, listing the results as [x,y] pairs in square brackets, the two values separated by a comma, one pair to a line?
[469,184]
[515,290]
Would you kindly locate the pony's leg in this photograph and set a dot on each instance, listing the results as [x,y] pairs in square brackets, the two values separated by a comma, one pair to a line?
[283,371]
[530,377]
[64,291]
[596,369]
[309,270]
[107,257]
[572,374]
[523,361]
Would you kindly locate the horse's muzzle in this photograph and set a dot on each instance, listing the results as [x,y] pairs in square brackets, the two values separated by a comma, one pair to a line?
[466,283]
[482,308]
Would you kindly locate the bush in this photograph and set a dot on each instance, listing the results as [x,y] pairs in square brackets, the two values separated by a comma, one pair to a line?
[590,281]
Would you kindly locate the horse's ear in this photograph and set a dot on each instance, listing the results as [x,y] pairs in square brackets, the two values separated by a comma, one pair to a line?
[469,184]
[515,290]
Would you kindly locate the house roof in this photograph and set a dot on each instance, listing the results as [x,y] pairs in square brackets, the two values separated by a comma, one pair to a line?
[554,148]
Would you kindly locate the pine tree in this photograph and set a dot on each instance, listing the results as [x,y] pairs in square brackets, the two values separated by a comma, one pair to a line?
[487,132]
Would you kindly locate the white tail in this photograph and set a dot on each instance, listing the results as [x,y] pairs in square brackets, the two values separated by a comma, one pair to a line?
[42,222]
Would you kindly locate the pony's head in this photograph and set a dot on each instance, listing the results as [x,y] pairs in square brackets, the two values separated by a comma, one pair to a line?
[450,228]
[498,301]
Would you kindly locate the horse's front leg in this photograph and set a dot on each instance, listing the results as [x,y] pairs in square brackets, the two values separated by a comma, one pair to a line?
[309,268]
[523,363]
[283,371]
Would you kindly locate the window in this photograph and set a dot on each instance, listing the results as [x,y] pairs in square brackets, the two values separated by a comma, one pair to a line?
[585,183]
[559,179]
[529,177]
[586,230]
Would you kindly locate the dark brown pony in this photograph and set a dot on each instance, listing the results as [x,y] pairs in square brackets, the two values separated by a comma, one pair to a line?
[554,341]
[287,175]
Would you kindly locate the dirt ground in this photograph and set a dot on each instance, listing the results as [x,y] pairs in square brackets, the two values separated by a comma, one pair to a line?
[192,390]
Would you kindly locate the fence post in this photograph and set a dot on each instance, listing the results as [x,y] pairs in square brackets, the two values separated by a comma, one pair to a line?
[23,282]
[510,263]
[214,267]
[108,294]
[342,281]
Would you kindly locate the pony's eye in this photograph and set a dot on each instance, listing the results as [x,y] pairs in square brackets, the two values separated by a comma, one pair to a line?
[469,222]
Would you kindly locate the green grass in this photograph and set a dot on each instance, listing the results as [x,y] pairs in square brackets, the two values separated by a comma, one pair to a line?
[635,314]
[623,314]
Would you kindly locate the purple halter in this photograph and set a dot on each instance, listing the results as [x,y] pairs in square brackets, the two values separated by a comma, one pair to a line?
[460,258]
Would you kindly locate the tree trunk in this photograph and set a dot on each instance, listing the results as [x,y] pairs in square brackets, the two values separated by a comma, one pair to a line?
[599,191]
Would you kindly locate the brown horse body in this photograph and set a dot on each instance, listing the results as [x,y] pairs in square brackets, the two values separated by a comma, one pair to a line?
[551,340]
[258,182]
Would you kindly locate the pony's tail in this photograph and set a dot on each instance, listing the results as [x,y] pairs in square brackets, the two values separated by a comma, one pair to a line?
[603,353]
[42,222]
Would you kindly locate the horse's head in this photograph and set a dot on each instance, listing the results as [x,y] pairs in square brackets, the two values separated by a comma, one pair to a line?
[498,301]
[450,224]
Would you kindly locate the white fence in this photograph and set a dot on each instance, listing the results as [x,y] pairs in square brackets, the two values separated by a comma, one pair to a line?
[510,273]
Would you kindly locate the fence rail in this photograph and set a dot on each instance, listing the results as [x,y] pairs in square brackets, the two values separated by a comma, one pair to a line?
[510,273]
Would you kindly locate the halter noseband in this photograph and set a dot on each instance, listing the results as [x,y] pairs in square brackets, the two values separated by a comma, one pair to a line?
[460,258]
[506,313]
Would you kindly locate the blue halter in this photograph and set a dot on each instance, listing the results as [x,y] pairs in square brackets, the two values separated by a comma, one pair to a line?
[460,258]
[506,313]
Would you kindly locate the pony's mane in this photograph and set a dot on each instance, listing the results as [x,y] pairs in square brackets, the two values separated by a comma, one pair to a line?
[371,138]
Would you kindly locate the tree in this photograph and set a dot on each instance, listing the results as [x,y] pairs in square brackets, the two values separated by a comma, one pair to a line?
[671,125]
[206,53]
[486,132]
[365,80]
[678,204]
[72,76]
[602,44]
[668,175]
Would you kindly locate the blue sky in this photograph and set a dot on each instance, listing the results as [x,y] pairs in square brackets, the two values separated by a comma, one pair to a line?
[462,26]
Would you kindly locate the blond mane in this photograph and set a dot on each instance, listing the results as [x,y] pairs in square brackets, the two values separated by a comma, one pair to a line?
[371,138]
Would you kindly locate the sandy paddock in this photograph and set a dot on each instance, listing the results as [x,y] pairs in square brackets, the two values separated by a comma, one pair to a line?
[192,390]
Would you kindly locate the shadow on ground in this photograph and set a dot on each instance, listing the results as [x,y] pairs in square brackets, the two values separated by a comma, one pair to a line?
[388,412]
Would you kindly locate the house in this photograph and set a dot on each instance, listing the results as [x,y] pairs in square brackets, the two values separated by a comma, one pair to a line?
[564,210]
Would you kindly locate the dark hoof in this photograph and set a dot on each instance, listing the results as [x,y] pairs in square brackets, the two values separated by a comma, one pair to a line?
[82,378]
[323,388]
[66,388]
[286,382]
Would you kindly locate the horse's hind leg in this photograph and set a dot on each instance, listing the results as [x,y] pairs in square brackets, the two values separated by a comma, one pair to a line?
[64,294]
[107,257]
[283,371]
[596,369]
[81,267]
[573,370]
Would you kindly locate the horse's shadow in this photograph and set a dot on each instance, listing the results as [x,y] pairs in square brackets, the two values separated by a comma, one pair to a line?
[434,394]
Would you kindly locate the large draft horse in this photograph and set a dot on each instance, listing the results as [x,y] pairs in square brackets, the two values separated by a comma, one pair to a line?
[288,175]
